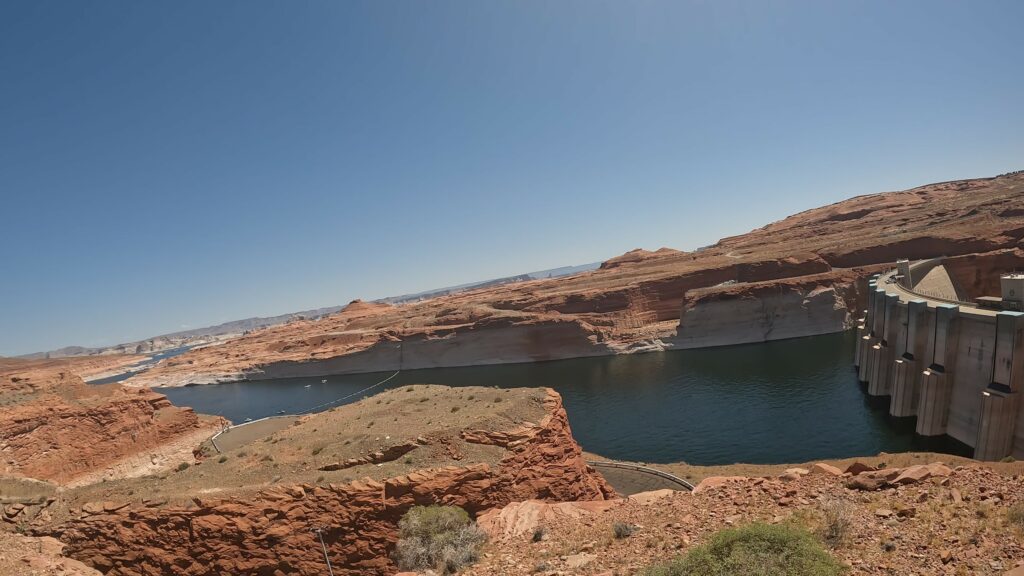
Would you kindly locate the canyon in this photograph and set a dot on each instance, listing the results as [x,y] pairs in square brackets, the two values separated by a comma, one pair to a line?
[800,276]
[253,510]
[114,478]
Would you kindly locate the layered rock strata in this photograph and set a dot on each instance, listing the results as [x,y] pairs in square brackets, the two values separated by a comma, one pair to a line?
[789,278]
[271,531]
[55,427]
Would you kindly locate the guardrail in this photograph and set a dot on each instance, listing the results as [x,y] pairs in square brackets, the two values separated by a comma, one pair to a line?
[637,468]
[213,439]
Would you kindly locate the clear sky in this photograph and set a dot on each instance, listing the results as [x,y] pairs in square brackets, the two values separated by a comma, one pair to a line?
[166,165]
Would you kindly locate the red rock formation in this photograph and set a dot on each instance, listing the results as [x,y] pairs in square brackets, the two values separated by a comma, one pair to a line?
[634,302]
[55,427]
[271,531]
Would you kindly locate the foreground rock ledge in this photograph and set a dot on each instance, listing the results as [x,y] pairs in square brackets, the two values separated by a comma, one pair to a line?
[271,532]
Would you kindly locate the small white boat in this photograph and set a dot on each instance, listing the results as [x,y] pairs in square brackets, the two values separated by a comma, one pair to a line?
[324,381]
[248,419]
[307,385]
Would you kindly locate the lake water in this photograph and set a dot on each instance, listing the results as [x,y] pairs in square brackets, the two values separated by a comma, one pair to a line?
[787,401]
[135,368]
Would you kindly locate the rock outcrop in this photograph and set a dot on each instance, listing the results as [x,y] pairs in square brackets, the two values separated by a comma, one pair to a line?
[773,310]
[272,530]
[55,427]
[28,556]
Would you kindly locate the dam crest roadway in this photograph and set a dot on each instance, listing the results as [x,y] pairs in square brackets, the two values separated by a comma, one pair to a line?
[954,365]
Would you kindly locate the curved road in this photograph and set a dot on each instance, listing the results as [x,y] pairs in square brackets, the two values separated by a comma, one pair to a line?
[630,479]
[891,285]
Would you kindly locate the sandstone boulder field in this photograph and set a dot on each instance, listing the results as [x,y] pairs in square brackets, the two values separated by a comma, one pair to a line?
[796,277]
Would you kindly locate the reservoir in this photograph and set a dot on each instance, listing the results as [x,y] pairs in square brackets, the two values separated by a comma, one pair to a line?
[776,402]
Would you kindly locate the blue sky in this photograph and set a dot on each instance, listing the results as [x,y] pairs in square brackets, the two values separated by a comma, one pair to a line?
[179,164]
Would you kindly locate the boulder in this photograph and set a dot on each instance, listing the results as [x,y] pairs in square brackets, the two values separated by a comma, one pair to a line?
[712,482]
[919,473]
[519,518]
[827,469]
[858,468]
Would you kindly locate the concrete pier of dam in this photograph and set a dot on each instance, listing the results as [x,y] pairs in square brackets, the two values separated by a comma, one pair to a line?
[955,366]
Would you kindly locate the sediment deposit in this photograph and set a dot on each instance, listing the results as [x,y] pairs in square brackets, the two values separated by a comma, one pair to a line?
[794,277]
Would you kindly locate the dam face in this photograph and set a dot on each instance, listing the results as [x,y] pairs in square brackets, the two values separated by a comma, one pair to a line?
[957,367]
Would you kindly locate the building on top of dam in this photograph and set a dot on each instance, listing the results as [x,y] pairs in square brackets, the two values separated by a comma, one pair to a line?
[1012,287]
[954,362]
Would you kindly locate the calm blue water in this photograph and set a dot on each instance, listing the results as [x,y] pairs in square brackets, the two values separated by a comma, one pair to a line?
[148,361]
[788,401]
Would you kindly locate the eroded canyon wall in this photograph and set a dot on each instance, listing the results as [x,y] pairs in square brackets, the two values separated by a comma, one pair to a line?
[55,427]
[765,311]
[270,532]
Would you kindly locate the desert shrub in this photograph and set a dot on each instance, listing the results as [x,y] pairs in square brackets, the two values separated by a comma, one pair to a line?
[182,467]
[1008,460]
[622,530]
[318,450]
[755,550]
[838,516]
[539,533]
[1015,515]
[222,459]
[442,538]
[455,408]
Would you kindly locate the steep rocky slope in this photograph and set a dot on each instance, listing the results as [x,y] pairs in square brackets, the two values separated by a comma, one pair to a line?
[351,472]
[803,268]
[920,520]
[55,427]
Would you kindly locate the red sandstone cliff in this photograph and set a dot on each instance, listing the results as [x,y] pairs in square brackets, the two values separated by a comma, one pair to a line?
[634,302]
[55,427]
[270,532]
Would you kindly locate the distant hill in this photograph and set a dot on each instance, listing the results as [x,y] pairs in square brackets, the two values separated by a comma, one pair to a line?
[552,273]
[209,334]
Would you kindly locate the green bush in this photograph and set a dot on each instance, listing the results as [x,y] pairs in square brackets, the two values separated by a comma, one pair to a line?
[622,530]
[442,538]
[755,550]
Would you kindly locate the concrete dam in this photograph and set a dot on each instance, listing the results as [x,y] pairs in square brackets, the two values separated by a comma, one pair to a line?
[954,364]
